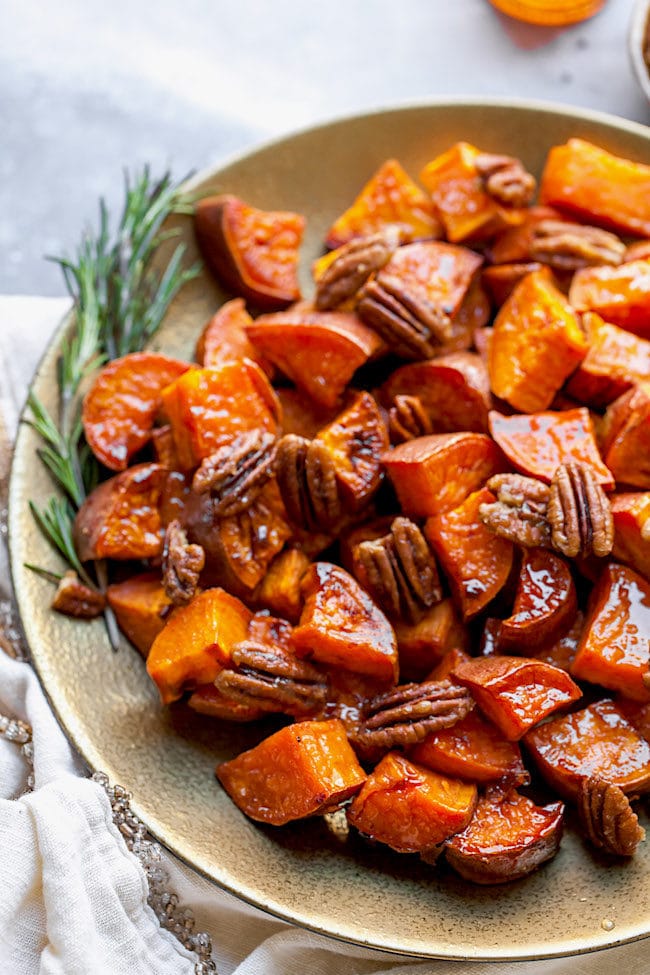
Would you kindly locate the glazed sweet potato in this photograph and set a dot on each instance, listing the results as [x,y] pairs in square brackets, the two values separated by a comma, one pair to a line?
[631,514]
[615,360]
[625,437]
[514,244]
[621,295]
[561,653]
[301,415]
[280,589]
[473,750]
[141,607]
[206,699]
[421,645]
[224,338]
[500,280]
[355,441]
[545,603]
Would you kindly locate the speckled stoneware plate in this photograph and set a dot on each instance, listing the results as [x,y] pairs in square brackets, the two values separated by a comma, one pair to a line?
[306,873]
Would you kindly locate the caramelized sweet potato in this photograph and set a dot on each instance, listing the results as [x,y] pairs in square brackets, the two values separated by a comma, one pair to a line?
[614,650]
[280,588]
[594,741]
[435,474]
[162,441]
[197,640]
[446,666]
[224,338]
[254,252]
[513,245]
[341,626]
[545,604]
[621,295]
[305,769]
[631,514]
[637,713]
[516,692]
[420,645]
[538,443]
[473,750]
[476,561]
[206,699]
[411,808]
[561,653]
[301,415]
[508,837]
[140,606]
[389,199]
[500,280]
[121,518]
[615,360]
[625,437]
[120,407]
[474,313]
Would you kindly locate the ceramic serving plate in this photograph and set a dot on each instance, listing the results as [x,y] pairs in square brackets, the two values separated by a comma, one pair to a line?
[310,873]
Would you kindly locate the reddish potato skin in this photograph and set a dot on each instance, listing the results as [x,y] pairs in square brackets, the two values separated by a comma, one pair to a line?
[545,603]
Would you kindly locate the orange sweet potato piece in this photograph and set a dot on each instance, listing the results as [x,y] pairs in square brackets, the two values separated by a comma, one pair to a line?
[516,692]
[536,344]
[614,650]
[224,338]
[120,407]
[301,415]
[538,443]
[474,313]
[454,391]
[625,437]
[597,740]
[615,360]
[411,808]
[341,626]
[254,252]
[422,644]
[513,245]
[473,750]
[477,562]
[120,519]
[280,588]
[208,408]
[435,474]
[592,184]
[631,514]
[508,837]
[162,441]
[355,441]
[389,199]
[319,351]
[637,713]
[561,653]
[305,769]
[621,295]
[206,699]
[446,666]
[197,640]
[140,606]
[501,280]
[545,603]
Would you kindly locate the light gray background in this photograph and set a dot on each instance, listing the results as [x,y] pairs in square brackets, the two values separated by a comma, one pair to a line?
[89,88]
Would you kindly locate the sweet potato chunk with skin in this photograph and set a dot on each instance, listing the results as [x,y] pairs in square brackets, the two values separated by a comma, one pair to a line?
[120,518]
[318,350]
[389,199]
[616,359]
[300,415]
[355,441]
[631,514]
[508,837]
[341,626]
[597,740]
[625,437]
[637,713]
[196,642]
[545,603]
[120,407]
[411,808]
[422,644]
[621,295]
[474,313]
[476,561]
[208,700]
[561,653]
[473,750]
[305,769]
[140,606]
[436,473]
[592,184]
[280,588]
[513,245]
[224,338]
[536,344]
[254,252]
[208,408]
[516,692]
[615,649]
[445,668]
[537,443]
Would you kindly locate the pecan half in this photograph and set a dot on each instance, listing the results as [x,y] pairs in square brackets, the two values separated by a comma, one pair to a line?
[505,179]
[182,565]
[568,246]
[411,712]
[235,474]
[407,419]
[579,513]
[519,513]
[307,481]
[353,265]
[74,598]
[411,330]
[608,818]
[272,679]
[401,571]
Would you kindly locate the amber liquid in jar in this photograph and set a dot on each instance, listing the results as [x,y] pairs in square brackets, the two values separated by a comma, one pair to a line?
[549,13]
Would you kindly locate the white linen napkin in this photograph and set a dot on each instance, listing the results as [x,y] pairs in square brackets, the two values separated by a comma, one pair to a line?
[74,899]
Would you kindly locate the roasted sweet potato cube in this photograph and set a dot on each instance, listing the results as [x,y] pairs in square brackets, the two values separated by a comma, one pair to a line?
[545,603]
[631,514]
[120,407]
[436,473]
[280,588]
[411,808]
[473,750]
[305,769]
[355,441]
[516,692]
[341,626]
[536,444]
[513,245]
[637,713]
[615,360]
[621,295]
[389,199]
[422,644]
[536,344]
[120,519]
[301,415]
[625,437]
[141,607]
[592,184]
[615,647]
[254,252]
[162,441]
[208,700]
[500,280]
[597,740]
[224,338]
[197,640]
[446,666]
[474,313]
[561,652]
[318,350]
[476,561]
[508,837]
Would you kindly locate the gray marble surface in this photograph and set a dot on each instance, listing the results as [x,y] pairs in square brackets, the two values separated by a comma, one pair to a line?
[89,88]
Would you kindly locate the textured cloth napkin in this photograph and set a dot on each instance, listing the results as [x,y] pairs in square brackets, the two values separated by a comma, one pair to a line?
[74,899]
